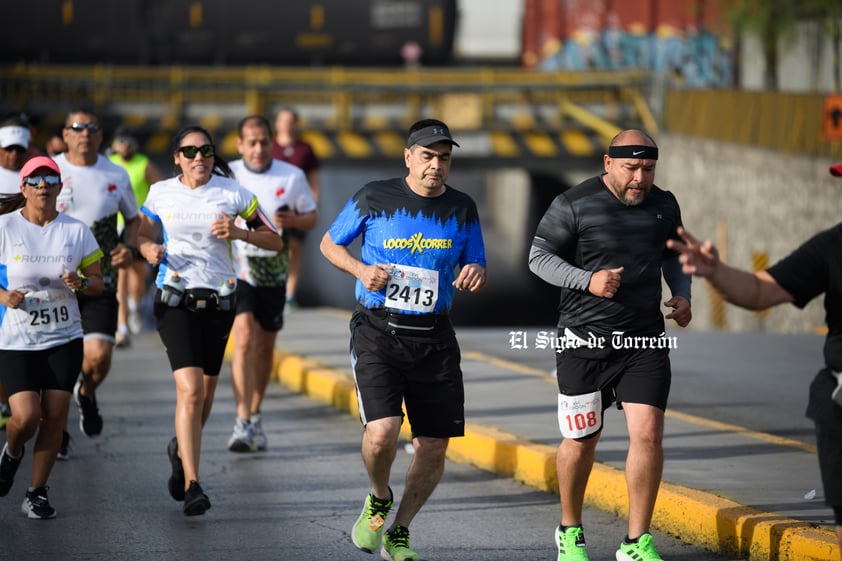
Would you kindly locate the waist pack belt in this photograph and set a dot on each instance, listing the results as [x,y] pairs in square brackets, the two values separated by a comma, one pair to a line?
[200,299]
[413,323]
[405,324]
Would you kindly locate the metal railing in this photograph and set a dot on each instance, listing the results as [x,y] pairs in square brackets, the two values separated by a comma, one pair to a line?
[347,98]
[342,99]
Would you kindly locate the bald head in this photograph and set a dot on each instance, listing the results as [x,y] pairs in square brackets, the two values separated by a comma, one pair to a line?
[633,136]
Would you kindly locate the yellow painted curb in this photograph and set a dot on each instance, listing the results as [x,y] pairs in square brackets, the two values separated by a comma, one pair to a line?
[696,517]
[723,525]
[321,384]
[502,453]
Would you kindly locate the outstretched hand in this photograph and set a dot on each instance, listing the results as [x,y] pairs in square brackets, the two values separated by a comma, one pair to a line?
[696,258]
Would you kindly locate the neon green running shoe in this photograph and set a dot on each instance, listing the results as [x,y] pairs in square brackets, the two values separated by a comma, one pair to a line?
[368,529]
[396,546]
[571,544]
[642,550]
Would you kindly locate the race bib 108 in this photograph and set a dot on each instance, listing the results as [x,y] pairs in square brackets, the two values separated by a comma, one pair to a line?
[579,415]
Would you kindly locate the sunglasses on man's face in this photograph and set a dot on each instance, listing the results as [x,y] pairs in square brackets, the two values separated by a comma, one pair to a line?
[206,150]
[49,180]
[15,148]
[80,127]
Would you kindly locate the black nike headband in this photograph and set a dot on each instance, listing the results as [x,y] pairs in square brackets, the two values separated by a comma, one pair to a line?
[634,151]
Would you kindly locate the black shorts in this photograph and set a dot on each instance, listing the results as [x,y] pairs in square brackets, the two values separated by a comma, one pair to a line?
[99,315]
[295,233]
[56,368]
[623,375]
[266,303]
[193,338]
[425,373]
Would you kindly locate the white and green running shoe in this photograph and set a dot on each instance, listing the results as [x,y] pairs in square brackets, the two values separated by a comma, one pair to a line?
[368,529]
[396,546]
[641,550]
[571,544]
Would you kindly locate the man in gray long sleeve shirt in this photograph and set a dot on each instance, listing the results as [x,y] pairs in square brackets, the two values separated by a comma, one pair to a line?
[603,242]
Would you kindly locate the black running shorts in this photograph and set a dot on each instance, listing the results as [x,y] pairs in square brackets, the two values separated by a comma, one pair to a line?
[56,368]
[266,303]
[623,375]
[424,373]
[99,315]
[193,338]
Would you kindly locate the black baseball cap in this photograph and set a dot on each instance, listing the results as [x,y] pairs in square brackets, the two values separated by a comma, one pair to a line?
[430,135]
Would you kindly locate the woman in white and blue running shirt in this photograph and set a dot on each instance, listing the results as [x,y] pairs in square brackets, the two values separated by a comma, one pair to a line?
[194,304]
[45,258]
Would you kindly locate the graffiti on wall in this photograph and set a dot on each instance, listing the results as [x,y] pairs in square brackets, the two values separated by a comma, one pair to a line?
[671,39]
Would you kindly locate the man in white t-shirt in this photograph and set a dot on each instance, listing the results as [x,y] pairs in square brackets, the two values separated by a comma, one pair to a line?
[94,191]
[283,193]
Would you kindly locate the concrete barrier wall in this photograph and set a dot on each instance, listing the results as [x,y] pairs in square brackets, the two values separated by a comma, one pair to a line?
[765,201]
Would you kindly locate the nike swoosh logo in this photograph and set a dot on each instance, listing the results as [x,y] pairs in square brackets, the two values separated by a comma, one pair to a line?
[638,153]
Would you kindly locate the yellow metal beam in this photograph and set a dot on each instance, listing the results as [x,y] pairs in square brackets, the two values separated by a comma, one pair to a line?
[643,111]
[606,129]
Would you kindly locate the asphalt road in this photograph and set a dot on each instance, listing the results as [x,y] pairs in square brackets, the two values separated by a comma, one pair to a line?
[297,501]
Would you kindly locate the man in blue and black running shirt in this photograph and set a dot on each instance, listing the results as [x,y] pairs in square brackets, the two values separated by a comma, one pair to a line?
[604,243]
[421,239]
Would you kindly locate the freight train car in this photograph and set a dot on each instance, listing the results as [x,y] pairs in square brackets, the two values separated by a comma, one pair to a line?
[228,32]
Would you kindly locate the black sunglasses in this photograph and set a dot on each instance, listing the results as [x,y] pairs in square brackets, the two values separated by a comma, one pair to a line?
[35,180]
[79,127]
[207,151]
[15,148]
